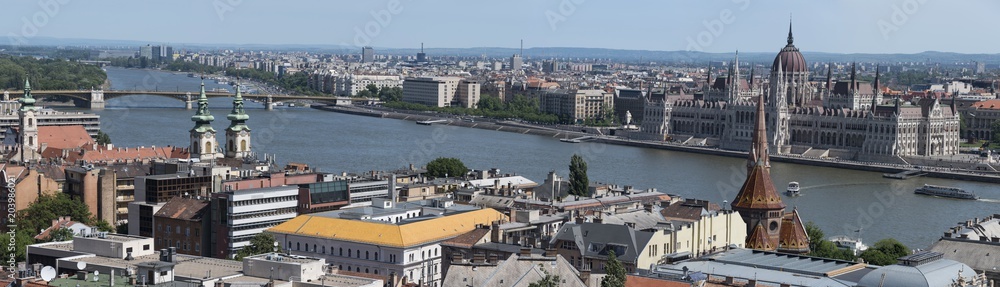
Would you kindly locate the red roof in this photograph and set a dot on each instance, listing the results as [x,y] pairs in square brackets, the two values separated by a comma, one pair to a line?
[792,236]
[62,137]
[987,104]
[759,240]
[758,192]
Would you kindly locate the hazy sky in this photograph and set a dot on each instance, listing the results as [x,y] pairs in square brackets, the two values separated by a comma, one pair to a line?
[854,26]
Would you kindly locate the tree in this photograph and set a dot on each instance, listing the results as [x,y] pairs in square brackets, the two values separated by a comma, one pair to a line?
[446,166]
[615,272]
[121,228]
[104,226]
[815,235]
[22,238]
[103,138]
[995,128]
[393,94]
[548,281]
[261,243]
[39,214]
[885,252]
[372,88]
[579,185]
[61,234]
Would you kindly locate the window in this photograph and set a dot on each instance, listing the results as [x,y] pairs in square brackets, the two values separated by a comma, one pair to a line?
[145,247]
[163,273]
[366,256]
[129,249]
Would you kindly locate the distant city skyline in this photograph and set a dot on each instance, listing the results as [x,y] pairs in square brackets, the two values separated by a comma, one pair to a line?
[853,26]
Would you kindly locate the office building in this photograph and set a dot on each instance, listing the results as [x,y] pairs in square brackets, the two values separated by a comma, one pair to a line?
[367,55]
[239,215]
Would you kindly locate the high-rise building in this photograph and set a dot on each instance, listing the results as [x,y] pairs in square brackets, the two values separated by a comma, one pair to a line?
[367,55]
[156,53]
[431,91]
[146,52]
[516,62]
[550,66]
[421,57]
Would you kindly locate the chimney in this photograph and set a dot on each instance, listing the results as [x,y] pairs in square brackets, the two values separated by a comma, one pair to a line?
[525,251]
[493,259]
[479,258]
[580,220]
[585,274]
[598,219]
[550,252]
[457,258]
[392,187]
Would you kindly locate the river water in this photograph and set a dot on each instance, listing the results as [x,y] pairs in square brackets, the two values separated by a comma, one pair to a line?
[839,201]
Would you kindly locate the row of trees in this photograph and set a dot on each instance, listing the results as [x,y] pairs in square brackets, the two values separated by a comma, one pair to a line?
[49,74]
[520,107]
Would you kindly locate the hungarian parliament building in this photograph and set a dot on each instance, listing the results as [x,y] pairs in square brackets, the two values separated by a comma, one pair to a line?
[846,119]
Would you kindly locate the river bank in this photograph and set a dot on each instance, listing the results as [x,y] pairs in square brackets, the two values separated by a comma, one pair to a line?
[522,128]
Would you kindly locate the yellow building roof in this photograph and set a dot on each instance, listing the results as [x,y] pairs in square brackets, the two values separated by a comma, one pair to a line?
[388,234]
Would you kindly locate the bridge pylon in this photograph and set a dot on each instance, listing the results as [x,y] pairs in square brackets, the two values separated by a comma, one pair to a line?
[188,103]
[269,103]
[96,99]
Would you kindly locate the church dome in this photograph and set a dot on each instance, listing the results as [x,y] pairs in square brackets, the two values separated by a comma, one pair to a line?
[789,59]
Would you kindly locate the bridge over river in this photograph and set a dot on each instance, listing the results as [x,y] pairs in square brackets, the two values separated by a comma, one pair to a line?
[95,99]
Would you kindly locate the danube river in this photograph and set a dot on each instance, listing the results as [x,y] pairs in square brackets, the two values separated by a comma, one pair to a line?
[840,201]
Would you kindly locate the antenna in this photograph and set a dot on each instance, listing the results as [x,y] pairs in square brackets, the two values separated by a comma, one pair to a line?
[48,273]
[521,53]
[421,47]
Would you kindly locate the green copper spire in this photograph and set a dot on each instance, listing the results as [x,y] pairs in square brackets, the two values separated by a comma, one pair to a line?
[238,117]
[203,119]
[27,101]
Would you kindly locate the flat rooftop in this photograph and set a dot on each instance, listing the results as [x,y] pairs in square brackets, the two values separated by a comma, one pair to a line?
[187,266]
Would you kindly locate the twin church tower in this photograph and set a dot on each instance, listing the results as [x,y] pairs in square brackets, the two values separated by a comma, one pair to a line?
[203,144]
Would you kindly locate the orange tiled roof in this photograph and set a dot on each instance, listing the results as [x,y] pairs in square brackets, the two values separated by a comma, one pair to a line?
[987,104]
[792,236]
[758,192]
[759,240]
[64,136]
[112,155]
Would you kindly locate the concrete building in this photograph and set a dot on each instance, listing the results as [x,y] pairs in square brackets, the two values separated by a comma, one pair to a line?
[516,62]
[48,117]
[579,105]
[441,91]
[385,240]
[184,223]
[367,54]
[979,119]
[350,84]
[239,215]
[152,192]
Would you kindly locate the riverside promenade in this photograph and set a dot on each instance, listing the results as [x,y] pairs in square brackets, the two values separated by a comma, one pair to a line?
[522,128]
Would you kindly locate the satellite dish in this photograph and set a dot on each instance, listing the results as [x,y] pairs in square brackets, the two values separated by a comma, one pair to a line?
[48,273]
[81,265]
[97,272]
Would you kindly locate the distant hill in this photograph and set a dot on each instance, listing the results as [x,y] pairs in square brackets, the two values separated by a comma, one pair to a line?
[548,52]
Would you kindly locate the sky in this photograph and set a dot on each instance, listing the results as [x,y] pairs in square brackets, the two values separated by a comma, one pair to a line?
[849,26]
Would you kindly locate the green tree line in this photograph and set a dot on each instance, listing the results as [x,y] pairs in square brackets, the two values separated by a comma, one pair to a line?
[520,107]
[49,74]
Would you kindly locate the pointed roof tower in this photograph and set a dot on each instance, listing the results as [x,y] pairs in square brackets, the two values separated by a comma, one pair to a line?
[793,238]
[829,77]
[203,118]
[759,148]
[758,239]
[854,76]
[238,116]
[758,192]
[27,101]
[876,91]
[790,38]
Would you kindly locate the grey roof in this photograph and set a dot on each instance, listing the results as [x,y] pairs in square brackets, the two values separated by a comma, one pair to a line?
[515,271]
[596,240]
[939,272]
[642,219]
[978,255]
[492,201]
[773,268]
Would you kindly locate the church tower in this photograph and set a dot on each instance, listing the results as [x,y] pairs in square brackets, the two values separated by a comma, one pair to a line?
[758,202]
[28,125]
[203,144]
[238,134]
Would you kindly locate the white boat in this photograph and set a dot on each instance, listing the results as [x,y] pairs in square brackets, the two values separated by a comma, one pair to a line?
[853,244]
[946,191]
[793,189]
